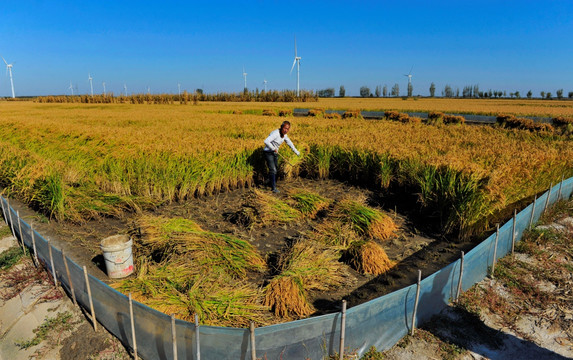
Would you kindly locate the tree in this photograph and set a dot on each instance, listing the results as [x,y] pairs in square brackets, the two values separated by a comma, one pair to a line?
[542,94]
[476,90]
[377,91]
[457,92]
[570,95]
[364,91]
[410,89]
[529,94]
[326,92]
[342,91]
[385,90]
[517,95]
[396,90]
[199,91]
[559,94]
[548,95]
[432,89]
[448,92]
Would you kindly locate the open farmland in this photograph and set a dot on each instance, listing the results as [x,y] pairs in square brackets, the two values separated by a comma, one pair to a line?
[80,162]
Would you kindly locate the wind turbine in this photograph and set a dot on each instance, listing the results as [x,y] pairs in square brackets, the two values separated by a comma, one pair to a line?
[245,77]
[409,75]
[125,88]
[103,84]
[148,90]
[179,87]
[297,62]
[265,83]
[9,69]
[71,88]
[91,83]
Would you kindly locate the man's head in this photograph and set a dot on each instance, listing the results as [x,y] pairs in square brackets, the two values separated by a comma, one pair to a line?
[285,127]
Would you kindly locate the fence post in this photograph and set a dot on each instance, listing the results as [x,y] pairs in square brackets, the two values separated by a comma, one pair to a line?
[3,210]
[560,186]
[253,345]
[90,298]
[132,321]
[416,302]
[532,212]
[458,292]
[11,222]
[548,196]
[52,264]
[69,277]
[173,337]
[513,231]
[342,330]
[495,250]
[34,244]
[20,231]
[197,337]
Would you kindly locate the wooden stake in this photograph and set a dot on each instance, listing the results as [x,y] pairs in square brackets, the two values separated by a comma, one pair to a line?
[461,277]
[513,231]
[560,186]
[90,298]
[52,264]
[342,330]
[253,345]
[532,212]
[11,222]
[173,337]
[20,231]
[495,250]
[416,302]
[3,210]
[548,196]
[197,337]
[132,320]
[69,278]
[34,244]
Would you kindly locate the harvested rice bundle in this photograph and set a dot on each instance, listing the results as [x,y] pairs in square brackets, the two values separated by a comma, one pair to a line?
[263,208]
[164,239]
[368,257]
[215,296]
[335,234]
[364,219]
[308,202]
[305,266]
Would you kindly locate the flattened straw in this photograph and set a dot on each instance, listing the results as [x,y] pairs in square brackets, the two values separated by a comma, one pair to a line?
[90,298]
[513,231]
[132,320]
[253,347]
[416,302]
[52,264]
[532,212]
[495,251]
[20,231]
[197,337]
[342,330]
[548,196]
[173,337]
[560,186]
[69,278]
[459,291]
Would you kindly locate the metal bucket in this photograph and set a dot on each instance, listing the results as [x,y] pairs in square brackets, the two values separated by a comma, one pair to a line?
[117,254]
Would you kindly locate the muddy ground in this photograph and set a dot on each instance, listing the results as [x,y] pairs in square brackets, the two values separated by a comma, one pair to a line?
[416,245]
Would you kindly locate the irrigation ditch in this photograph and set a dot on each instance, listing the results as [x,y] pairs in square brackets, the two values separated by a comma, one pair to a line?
[379,322]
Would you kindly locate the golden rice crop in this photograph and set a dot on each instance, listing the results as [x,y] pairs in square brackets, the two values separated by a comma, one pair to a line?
[368,257]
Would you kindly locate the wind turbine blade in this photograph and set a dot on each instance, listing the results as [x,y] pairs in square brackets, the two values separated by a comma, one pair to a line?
[295,46]
[410,72]
[4,61]
[293,64]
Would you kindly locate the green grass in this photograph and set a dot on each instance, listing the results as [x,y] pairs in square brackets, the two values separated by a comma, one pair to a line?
[10,257]
[58,324]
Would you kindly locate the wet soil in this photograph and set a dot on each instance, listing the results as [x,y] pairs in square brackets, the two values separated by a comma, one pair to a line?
[416,245]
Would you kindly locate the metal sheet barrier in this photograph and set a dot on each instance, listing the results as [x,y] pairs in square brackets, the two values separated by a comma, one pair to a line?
[381,322]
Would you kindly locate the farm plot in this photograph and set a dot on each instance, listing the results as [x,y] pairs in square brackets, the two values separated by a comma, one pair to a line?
[77,162]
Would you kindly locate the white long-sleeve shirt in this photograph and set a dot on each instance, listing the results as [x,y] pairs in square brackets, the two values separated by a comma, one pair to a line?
[274,141]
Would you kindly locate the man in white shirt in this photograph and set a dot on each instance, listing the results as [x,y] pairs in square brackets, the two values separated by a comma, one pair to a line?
[271,150]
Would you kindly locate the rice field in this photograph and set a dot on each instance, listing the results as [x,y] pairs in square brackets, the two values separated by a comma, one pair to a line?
[78,162]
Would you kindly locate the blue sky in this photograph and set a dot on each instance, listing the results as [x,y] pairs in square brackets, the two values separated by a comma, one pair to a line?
[499,45]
